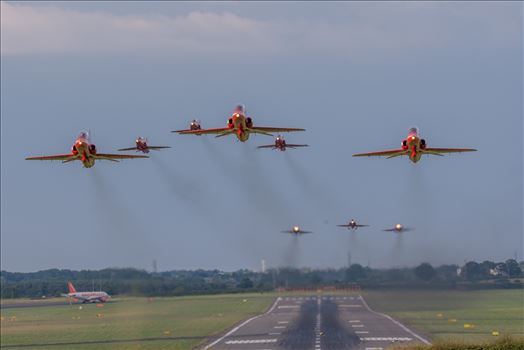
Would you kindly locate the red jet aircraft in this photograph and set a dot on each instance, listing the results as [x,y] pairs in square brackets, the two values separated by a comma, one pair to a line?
[296,230]
[398,228]
[414,147]
[281,144]
[142,146]
[85,152]
[240,125]
[193,126]
[352,225]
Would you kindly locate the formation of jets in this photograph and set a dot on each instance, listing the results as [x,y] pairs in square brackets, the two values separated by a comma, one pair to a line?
[242,126]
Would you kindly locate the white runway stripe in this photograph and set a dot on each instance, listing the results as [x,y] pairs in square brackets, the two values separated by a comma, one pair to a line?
[251,341]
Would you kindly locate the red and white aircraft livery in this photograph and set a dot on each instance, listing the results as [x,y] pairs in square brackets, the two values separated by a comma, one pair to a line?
[281,144]
[398,228]
[85,152]
[240,125]
[86,297]
[352,225]
[414,147]
[142,146]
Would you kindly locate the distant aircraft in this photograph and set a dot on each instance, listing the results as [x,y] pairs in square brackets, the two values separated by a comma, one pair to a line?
[414,147]
[142,146]
[86,297]
[193,126]
[296,230]
[281,145]
[85,152]
[240,125]
[352,225]
[398,228]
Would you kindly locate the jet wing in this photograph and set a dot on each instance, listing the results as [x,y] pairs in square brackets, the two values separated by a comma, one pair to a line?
[115,157]
[157,147]
[295,146]
[389,153]
[440,151]
[128,149]
[267,146]
[202,131]
[271,129]
[63,157]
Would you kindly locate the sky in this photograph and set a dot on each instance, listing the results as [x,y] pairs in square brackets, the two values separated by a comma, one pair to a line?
[355,75]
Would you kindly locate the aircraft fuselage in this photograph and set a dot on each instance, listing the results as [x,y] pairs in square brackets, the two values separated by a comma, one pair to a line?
[413,144]
[84,150]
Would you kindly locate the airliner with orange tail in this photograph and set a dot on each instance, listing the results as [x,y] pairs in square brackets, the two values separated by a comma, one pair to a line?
[238,124]
[86,297]
[414,147]
[86,152]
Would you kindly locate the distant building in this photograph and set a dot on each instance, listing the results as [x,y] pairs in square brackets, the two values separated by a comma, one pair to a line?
[499,271]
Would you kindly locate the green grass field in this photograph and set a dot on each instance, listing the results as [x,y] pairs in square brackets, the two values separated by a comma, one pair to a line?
[128,319]
[442,315]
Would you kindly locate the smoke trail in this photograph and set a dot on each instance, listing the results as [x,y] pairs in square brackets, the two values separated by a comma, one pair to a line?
[292,253]
[188,190]
[123,225]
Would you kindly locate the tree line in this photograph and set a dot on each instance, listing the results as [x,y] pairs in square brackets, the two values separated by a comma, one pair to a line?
[130,281]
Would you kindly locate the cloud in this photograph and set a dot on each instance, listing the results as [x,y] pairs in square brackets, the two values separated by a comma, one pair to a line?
[368,28]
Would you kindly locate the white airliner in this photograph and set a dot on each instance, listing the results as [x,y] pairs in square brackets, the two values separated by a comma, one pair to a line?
[86,297]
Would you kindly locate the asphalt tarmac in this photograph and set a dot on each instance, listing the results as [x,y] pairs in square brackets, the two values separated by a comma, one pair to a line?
[316,323]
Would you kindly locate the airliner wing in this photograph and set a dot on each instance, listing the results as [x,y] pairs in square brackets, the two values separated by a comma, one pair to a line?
[440,151]
[64,157]
[389,153]
[115,157]
[203,131]
[271,129]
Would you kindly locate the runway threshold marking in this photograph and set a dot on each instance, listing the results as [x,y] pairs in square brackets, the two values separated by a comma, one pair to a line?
[354,321]
[283,322]
[279,327]
[361,332]
[425,341]
[243,324]
[373,348]
[357,325]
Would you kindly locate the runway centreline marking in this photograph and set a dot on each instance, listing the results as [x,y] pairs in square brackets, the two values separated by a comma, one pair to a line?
[279,327]
[283,322]
[357,325]
[354,321]
[390,339]
[361,332]
[425,341]
[242,324]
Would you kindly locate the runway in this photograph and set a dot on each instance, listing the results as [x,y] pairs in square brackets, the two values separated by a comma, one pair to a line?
[316,323]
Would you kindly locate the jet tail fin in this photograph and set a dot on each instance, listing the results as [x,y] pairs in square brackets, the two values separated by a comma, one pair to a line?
[71,287]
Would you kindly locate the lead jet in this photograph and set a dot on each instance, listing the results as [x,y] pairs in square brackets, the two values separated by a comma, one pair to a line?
[398,228]
[142,146]
[414,147]
[296,230]
[240,125]
[86,152]
[352,225]
[281,145]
